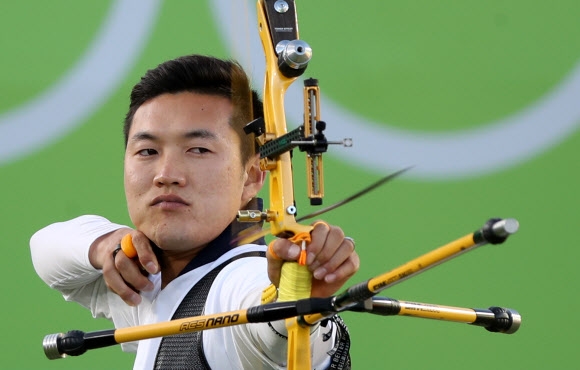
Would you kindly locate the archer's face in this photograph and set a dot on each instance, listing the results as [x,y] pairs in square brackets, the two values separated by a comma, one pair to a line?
[184,178]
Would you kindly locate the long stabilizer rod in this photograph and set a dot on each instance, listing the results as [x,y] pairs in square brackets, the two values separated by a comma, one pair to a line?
[495,231]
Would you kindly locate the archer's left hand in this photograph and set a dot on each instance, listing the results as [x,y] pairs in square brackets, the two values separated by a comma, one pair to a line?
[330,257]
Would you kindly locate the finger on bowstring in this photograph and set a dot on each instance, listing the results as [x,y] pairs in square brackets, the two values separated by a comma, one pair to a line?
[137,245]
[117,284]
[132,273]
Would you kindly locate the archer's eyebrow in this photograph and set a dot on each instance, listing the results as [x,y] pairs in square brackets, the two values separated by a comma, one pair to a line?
[147,136]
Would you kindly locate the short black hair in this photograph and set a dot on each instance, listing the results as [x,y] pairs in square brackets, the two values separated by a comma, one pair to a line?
[204,75]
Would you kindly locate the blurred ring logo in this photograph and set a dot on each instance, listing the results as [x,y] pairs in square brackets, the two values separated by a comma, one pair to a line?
[68,103]
[490,147]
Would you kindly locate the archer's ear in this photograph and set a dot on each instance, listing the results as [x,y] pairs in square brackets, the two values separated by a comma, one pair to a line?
[255,178]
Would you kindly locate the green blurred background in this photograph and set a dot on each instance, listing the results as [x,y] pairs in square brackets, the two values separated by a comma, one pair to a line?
[417,66]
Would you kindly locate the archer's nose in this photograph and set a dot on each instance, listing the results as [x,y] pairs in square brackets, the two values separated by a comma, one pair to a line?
[170,173]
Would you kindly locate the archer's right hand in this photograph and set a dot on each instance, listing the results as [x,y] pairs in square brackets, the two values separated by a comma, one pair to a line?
[123,275]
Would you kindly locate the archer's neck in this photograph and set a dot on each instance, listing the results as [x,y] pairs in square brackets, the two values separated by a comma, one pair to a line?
[172,263]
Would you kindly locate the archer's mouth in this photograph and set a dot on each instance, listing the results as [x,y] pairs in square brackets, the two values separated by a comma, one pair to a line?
[169,200]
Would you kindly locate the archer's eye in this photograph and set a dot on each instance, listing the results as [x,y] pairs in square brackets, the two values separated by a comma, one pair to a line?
[199,150]
[147,152]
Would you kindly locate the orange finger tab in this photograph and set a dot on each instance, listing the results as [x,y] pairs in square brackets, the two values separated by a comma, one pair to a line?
[128,247]
[301,239]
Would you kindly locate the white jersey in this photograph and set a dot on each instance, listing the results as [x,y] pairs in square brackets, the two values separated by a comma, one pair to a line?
[60,257]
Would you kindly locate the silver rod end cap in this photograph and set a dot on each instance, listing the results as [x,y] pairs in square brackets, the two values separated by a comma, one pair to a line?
[50,345]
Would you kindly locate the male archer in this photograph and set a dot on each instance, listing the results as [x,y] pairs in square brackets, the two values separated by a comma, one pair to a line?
[188,168]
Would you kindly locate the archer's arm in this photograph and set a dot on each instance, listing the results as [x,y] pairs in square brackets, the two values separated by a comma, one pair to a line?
[60,251]
[69,255]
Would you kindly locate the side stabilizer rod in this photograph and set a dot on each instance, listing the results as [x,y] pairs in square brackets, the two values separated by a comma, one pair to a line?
[494,319]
